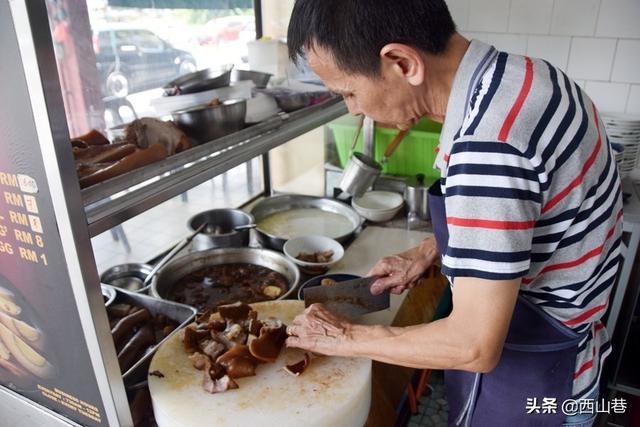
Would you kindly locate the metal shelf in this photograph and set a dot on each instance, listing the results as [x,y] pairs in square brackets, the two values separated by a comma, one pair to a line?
[114,201]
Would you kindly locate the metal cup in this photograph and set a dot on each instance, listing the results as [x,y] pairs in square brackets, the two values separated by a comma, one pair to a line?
[359,174]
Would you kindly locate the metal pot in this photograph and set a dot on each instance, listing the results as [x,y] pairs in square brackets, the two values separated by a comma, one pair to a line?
[129,277]
[168,277]
[199,81]
[222,222]
[208,122]
[359,174]
[415,196]
[276,204]
[258,78]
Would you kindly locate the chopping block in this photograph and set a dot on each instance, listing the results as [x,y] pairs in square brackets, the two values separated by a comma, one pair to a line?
[333,391]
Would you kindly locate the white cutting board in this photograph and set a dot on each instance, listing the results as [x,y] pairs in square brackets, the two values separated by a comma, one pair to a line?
[373,244]
[332,391]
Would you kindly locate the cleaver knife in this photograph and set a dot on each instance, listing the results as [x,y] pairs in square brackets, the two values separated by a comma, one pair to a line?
[350,298]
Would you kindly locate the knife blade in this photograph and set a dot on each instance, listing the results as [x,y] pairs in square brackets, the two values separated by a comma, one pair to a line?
[351,298]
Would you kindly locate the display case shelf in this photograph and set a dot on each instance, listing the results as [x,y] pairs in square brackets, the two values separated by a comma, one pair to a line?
[112,202]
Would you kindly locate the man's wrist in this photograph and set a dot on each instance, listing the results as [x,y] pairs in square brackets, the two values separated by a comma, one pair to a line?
[429,250]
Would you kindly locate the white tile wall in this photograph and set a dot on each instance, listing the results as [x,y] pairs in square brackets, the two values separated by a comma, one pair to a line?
[574,17]
[633,105]
[489,15]
[483,37]
[626,67]
[531,17]
[597,42]
[460,12]
[609,97]
[619,18]
[513,43]
[554,49]
[591,58]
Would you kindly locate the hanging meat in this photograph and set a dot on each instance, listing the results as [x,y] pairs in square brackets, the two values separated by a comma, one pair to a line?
[145,141]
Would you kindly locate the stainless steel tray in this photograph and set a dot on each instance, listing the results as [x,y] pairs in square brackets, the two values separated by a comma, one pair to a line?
[181,313]
[282,203]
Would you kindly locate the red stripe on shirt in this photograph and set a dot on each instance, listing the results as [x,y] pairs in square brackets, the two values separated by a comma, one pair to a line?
[583,369]
[446,158]
[585,315]
[517,106]
[582,259]
[577,180]
[489,223]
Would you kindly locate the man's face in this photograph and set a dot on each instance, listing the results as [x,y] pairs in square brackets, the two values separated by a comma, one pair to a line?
[387,98]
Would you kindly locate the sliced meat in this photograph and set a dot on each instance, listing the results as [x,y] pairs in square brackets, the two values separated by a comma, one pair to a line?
[235,333]
[191,337]
[255,326]
[213,349]
[102,153]
[298,368]
[216,325]
[118,310]
[238,362]
[127,323]
[267,346]
[236,312]
[214,379]
[199,360]
[134,349]
[93,137]
[137,159]
[147,131]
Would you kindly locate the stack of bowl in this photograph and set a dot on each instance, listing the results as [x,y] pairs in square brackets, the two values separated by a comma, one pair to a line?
[378,206]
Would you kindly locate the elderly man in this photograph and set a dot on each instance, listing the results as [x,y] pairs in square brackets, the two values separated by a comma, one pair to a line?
[526,216]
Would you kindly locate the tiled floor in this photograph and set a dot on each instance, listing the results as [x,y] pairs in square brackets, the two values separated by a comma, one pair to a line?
[156,230]
[433,410]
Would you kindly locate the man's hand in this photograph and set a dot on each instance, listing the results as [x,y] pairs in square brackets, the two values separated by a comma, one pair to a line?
[320,331]
[402,271]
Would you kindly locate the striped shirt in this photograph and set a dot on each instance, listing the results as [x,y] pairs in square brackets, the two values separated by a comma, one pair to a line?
[532,190]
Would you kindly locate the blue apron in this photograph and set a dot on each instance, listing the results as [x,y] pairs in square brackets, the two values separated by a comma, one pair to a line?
[538,360]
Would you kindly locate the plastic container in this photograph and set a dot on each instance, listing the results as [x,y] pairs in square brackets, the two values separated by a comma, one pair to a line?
[416,154]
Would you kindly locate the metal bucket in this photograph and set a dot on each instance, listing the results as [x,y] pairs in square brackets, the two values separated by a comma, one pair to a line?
[226,219]
[359,174]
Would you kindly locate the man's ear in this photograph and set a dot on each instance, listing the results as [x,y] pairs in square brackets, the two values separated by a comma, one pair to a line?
[403,60]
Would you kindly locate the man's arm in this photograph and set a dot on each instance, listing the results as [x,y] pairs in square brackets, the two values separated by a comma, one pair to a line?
[470,339]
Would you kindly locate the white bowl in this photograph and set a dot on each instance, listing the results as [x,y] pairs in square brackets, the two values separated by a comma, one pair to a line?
[378,206]
[311,244]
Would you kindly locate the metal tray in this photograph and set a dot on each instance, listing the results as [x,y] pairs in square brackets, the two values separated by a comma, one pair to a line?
[282,203]
[181,313]
[170,274]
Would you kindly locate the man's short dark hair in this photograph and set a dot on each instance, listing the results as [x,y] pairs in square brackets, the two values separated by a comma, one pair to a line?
[354,31]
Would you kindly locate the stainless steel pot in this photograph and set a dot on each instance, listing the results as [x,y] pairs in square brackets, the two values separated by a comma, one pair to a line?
[219,232]
[359,174]
[208,122]
[199,81]
[415,196]
[129,277]
[276,204]
[258,78]
[168,277]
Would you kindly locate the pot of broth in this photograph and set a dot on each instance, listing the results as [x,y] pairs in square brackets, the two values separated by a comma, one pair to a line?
[210,278]
[280,218]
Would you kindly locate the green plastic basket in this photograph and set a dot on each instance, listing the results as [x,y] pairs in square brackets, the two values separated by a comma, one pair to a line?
[416,154]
